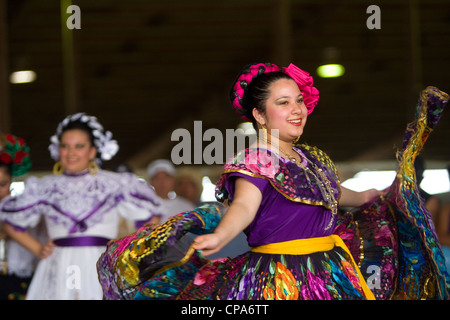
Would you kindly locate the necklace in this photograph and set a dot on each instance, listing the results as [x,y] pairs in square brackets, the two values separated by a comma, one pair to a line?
[324,186]
[289,156]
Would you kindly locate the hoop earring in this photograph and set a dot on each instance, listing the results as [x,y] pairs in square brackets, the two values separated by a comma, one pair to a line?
[296,140]
[264,130]
[57,168]
[93,167]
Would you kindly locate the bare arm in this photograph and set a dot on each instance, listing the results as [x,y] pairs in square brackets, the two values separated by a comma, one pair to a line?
[242,211]
[29,242]
[350,198]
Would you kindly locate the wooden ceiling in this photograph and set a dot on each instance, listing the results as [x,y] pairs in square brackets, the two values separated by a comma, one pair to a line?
[146,68]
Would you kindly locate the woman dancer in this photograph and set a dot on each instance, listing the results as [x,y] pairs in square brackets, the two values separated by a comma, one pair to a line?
[81,205]
[279,193]
[285,196]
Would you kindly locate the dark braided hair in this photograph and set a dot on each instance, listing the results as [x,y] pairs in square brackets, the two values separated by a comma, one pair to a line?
[78,125]
[243,83]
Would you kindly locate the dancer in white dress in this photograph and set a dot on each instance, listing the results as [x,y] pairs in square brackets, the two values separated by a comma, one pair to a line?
[81,205]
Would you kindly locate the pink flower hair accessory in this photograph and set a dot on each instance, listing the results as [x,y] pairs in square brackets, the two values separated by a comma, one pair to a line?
[243,81]
[305,84]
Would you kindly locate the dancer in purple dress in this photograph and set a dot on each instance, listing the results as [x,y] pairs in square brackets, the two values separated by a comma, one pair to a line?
[277,193]
[81,204]
[285,196]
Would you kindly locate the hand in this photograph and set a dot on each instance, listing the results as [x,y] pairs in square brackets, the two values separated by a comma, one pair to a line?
[350,198]
[47,249]
[208,244]
[371,194]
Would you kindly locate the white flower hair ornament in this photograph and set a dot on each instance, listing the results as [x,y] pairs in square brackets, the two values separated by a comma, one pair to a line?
[106,146]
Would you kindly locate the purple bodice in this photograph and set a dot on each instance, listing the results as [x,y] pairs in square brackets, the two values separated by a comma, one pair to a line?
[279,219]
[294,204]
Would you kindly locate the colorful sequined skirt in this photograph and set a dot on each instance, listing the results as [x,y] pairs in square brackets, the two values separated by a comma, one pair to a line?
[159,263]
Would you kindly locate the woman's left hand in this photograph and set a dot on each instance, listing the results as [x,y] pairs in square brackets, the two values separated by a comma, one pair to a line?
[372,194]
[350,198]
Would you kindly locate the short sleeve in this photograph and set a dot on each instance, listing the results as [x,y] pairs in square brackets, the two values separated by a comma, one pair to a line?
[139,200]
[23,211]
[261,183]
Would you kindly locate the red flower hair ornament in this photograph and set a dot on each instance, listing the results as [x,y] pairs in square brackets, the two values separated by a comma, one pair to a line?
[15,152]
[301,77]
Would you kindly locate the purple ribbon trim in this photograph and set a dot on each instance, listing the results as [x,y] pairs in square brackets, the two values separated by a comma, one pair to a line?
[81,242]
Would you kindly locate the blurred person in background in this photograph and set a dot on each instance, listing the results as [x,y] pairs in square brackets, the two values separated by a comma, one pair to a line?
[18,264]
[161,175]
[188,184]
[81,204]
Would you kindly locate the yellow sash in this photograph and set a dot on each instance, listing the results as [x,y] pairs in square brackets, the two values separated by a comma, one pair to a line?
[311,245]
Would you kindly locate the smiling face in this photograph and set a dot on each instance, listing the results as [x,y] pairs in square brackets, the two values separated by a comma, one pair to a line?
[285,110]
[76,151]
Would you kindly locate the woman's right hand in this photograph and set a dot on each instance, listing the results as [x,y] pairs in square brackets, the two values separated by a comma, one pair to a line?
[242,211]
[208,244]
